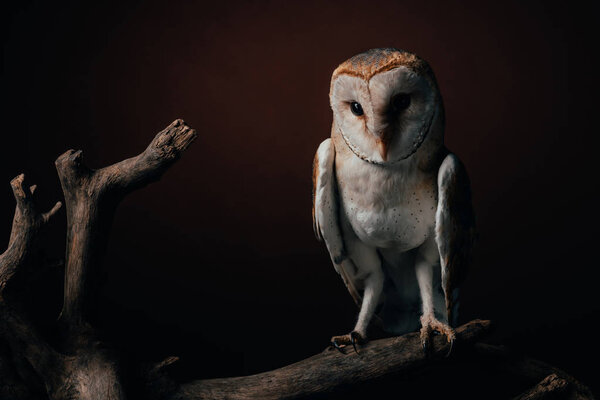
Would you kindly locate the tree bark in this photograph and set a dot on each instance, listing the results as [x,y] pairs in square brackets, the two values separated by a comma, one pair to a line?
[550,387]
[91,198]
[331,370]
[532,369]
[82,368]
[27,223]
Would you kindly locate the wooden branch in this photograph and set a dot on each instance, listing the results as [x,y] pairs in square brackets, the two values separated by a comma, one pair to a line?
[330,369]
[550,387]
[26,225]
[83,368]
[526,367]
[24,340]
[91,197]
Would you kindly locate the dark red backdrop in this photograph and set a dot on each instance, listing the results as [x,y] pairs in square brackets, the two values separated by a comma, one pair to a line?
[218,262]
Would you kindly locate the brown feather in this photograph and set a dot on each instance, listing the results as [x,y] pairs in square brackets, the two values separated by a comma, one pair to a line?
[314,190]
[374,61]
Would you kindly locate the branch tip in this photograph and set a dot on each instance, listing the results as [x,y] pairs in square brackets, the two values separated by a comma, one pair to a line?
[177,136]
[69,157]
[49,214]
[17,186]
[165,363]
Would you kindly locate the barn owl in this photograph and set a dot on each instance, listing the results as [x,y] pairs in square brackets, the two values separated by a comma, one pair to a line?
[391,203]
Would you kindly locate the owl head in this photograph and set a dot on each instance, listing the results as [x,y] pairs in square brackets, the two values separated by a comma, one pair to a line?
[385,102]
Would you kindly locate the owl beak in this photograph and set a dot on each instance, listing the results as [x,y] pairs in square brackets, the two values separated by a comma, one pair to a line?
[382,147]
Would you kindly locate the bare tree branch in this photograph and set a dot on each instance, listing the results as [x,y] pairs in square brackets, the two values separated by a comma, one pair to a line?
[26,225]
[330,370]
[526,367]
[550,387]
[23,338]
[91,197]
[83,368]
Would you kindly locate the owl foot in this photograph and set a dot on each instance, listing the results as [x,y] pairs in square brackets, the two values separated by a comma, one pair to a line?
[431,325]
[353,338]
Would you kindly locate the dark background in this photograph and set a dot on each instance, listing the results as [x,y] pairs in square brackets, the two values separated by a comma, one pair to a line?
[217,263]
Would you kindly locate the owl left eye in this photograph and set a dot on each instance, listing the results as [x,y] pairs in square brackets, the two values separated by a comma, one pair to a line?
[356,108]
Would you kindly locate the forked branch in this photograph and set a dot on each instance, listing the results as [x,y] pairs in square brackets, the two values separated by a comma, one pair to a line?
[553,382]
[91,197]
[80,367]
[24,340]
[27,222]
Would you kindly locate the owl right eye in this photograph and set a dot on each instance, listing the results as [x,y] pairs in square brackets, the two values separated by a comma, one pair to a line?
[356,108]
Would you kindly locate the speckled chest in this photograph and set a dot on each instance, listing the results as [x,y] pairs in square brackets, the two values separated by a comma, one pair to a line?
[387,207]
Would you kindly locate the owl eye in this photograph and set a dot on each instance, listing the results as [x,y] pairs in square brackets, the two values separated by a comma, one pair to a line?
[356,108]
[401,102]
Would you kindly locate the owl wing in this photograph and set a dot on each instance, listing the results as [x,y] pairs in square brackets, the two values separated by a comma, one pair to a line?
[454,227]
[325,214]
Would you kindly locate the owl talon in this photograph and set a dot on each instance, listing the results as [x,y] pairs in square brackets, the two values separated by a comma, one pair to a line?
[337,346]
[430,327]
[353,338]
[450,349]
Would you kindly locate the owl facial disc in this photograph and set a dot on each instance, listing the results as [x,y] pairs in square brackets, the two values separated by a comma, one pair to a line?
[384,151]
[384,119]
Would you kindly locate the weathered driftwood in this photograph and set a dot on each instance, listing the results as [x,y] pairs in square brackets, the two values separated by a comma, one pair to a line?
[81,367]
[564,386]
[330,370]
[26,226]
[551,386]
[91,197]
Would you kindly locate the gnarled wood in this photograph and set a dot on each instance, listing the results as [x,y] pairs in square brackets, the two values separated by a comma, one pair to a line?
[532,369]
[23,339]
[27,222]
[550,387]
[82,368]
[330,370]
[91,197]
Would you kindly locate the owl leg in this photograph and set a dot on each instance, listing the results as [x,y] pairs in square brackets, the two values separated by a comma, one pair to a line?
[427,258]
[368,264]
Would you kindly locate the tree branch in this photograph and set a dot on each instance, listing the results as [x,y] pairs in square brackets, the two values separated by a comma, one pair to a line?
[91,197]
[530,368]
[85,368]
[330,370]
[26,225]
[550,387]
[23,338]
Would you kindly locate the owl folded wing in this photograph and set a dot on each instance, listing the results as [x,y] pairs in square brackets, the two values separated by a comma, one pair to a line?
[455,225]
[326,215]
